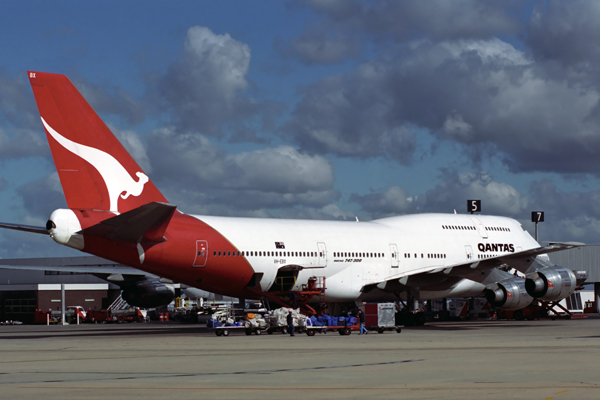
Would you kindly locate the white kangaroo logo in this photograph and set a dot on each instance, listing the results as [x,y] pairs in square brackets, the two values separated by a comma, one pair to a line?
[117,179]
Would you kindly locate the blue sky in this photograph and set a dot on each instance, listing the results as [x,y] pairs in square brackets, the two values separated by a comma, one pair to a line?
[318,109]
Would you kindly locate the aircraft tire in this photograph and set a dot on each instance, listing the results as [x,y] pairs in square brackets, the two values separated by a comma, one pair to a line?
[518,315]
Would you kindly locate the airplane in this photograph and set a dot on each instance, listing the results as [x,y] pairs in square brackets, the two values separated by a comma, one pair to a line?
[117,213]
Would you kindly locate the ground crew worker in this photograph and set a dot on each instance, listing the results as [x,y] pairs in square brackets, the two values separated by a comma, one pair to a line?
[293,298]
[361,319]
[290,322]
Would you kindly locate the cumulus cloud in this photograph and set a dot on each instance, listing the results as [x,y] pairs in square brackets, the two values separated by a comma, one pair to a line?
[264,178]
[566,32]
[105,99]
[438,20]
[17,107]
[134,146]
[485,95]
[450,194]
[316,46]
[23,143]
[42,196]
[569,215]
[393,200]
[454,190]
[350,116]
[204,89]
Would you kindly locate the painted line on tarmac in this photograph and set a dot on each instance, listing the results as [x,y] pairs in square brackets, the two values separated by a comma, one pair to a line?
[154,376]
[445,388]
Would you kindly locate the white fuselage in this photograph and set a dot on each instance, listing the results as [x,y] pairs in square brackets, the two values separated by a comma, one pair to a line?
[351,255]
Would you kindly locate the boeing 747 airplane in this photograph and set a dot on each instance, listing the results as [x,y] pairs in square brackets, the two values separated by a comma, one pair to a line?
[115,212]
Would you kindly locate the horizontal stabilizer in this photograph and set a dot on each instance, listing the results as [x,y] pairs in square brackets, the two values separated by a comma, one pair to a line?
[26,228]
[145,224]
[85,264]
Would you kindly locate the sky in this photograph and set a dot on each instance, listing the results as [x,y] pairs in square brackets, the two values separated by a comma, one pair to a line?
[318,109]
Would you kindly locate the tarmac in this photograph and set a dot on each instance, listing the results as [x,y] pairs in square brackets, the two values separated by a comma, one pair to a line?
[541,359]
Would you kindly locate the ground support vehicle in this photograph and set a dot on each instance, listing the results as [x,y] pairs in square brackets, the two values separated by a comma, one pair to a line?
[381,317]
[129,315]
[226,330]
[98,316]
[44,317]
[276,320]
[225,321]
[118,316]
[381,329]
[341,329]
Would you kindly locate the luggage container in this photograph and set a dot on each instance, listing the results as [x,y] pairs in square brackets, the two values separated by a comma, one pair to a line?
[381,317]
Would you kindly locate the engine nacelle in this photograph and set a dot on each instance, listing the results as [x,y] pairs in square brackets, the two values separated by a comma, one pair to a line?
[551,283]
[509,294]
[149,294]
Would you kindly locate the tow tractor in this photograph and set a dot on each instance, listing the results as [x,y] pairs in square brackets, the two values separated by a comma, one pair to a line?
[225,321]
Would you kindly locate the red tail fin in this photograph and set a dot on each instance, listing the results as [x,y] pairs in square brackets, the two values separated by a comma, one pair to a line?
[95,170]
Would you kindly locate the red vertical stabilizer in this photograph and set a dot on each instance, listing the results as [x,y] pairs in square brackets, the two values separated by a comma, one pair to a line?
[95,170]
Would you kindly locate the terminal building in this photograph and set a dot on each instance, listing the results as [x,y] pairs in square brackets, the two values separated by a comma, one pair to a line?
[22,292]
[586,258]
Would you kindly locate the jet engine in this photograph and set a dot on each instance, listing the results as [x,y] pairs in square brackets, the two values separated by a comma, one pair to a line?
[551,283]
[149,294]
[509,294]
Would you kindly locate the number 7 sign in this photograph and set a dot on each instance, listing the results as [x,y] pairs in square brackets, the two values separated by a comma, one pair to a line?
[537,216]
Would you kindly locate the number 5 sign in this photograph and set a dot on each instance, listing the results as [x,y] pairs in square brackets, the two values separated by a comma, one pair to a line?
[473,206]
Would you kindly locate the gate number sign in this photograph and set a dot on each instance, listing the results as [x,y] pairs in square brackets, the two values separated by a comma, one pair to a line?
[537,216]
[473,206]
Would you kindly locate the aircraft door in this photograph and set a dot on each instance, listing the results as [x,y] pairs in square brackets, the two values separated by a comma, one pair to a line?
[480,228]
[201,253]
[469,251]
[395,256]
[322,255]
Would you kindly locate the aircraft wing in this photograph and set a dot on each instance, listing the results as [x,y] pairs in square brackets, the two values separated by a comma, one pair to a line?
[520,260]
[483,270]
